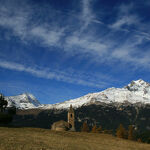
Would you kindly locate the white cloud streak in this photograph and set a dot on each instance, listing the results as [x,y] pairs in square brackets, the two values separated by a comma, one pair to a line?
[87,15]
[125,20]
[15,20]
[97,47]
[128,51]
[57,75]
[49,37]
[87,46]
[19,22]
[125,17]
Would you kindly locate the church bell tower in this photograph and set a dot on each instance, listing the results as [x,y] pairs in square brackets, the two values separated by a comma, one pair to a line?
[71,118]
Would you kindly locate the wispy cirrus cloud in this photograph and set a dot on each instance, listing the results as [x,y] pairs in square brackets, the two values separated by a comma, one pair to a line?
[128,20]
[86,15]
[87,45]
[47,36]
[13,19]
[125,20]
[125,17]
[82,39]
[58,75]
[19,20]
[104,48]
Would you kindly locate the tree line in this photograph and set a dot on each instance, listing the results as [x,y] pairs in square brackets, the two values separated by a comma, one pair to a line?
[6,113]
[121,132]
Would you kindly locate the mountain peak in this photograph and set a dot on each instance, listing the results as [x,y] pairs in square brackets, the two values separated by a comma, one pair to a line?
[139,82]
[23,101]
[28,95]
[137,85]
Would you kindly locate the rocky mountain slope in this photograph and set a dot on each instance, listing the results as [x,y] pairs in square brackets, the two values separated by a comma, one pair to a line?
[23,101]
[135,92]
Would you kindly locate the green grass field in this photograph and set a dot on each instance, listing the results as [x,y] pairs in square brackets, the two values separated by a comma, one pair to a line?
[42,139]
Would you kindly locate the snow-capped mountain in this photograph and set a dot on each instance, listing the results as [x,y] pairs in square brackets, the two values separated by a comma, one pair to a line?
[129,105]
[135,92]
[23,101]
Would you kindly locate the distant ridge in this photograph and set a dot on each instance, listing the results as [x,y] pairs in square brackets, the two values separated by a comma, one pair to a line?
[135,92]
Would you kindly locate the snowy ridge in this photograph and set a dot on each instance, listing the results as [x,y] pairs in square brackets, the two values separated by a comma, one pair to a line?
[135,92]
[23,101]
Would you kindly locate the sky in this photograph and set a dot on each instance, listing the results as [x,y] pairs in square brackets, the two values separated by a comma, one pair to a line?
[63,49]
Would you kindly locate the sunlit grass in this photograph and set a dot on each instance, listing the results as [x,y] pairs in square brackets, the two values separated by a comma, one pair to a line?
[44,139]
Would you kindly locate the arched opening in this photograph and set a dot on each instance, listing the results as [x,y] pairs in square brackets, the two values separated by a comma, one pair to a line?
[71,115]
[70,125]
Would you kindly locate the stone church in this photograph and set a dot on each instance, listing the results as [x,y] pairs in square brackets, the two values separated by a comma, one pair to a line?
[63,125]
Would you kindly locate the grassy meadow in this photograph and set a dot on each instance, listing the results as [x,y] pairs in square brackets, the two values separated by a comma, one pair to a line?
[44,139]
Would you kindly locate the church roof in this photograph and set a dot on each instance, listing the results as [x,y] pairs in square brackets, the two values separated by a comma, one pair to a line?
[60,126]
[61,123]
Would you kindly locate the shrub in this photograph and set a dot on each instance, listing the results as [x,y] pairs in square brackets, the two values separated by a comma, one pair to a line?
[99,129]
[121,132]
[139,140]
[130,132]
[94,129]
[85,127]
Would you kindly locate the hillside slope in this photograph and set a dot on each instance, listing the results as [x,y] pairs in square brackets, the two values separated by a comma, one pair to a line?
[42,139]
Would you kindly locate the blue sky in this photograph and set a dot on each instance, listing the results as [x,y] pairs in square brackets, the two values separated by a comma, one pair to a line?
[62,49]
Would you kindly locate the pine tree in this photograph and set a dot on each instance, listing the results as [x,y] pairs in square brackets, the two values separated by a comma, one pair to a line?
[130,132]
[121,132]
[3,103]
[85,127]
[94,129]
[6,116]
